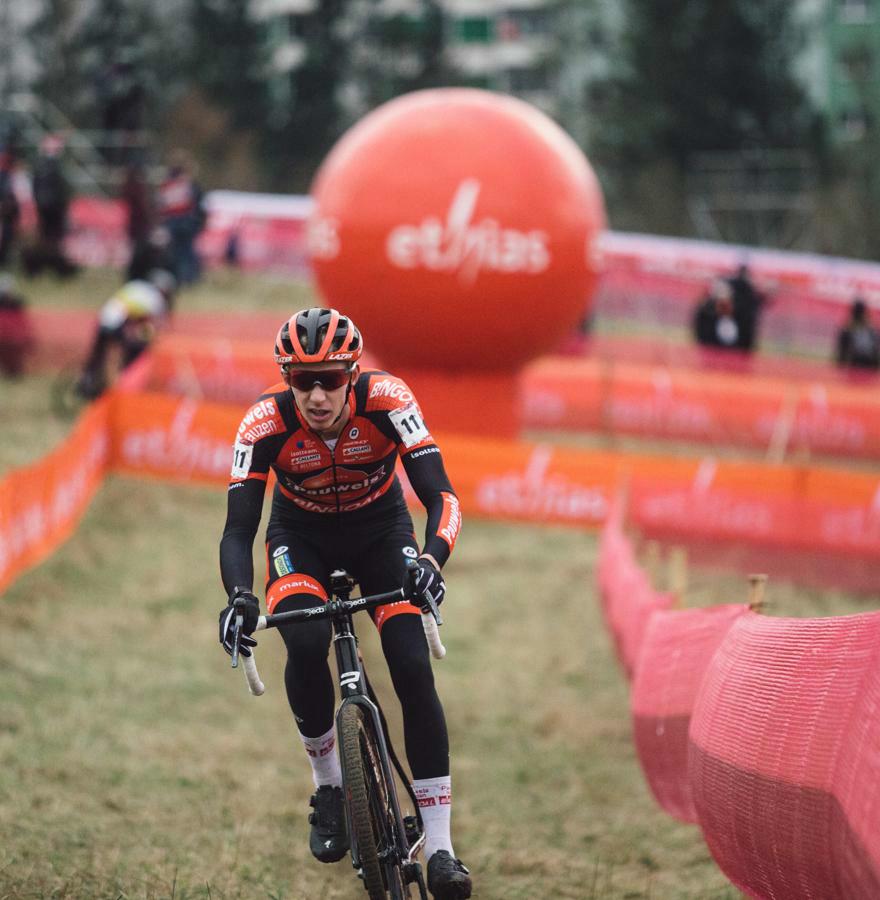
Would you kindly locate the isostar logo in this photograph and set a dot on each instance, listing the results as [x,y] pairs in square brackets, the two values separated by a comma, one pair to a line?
[262,410]
[461,245]
[387,387]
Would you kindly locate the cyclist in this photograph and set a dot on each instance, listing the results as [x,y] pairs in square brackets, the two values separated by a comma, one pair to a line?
[332,435]
[128,320]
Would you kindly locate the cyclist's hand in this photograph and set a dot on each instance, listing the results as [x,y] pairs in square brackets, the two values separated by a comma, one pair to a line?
[242,602]
[427,584]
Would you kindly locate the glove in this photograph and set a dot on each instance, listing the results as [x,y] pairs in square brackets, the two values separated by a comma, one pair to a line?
[245,602]
[426,584]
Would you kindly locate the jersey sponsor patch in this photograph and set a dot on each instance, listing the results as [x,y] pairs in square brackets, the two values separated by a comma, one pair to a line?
[410,425]
[450,520]
[282,562]
[242,454]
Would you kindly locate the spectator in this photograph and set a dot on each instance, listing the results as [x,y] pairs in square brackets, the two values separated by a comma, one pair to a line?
[714,323]
[9,207]
[858,341]
[748,302]
[52,197]
[128,321]
[182,212]
[137,198]
[154,253]
[16,329]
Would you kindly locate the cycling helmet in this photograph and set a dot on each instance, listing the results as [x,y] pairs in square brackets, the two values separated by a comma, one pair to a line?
[318,335]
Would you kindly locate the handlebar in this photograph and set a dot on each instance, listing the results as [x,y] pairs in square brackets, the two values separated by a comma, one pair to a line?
[334,607]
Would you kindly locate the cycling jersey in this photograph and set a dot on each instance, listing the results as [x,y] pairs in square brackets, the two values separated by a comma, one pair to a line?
[350,481]
[135,300]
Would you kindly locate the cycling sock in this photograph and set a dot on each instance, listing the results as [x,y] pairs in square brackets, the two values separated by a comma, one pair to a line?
[324,759]
[435,804]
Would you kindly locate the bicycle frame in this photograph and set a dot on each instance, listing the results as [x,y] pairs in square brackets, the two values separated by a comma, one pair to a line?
[354,689]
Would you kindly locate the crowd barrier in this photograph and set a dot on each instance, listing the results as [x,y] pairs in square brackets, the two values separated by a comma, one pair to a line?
[831,514]
[725,409]
[600,395]
[764,731]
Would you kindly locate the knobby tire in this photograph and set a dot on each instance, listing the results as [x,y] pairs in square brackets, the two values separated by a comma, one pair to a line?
[368,797]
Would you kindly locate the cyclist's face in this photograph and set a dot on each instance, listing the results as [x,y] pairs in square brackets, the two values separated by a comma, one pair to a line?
[319,392]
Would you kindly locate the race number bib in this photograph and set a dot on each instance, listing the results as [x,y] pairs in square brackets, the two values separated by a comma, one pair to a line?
[409,425]
[242,454]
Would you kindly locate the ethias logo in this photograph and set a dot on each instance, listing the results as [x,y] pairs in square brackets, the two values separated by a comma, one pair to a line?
[461,245]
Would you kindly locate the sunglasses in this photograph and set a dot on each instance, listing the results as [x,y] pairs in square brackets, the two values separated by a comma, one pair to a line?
[330,380]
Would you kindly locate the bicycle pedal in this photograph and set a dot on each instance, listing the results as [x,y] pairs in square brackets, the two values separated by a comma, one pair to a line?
[412,872]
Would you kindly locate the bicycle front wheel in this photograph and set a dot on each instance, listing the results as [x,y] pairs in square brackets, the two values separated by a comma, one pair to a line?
[371,806]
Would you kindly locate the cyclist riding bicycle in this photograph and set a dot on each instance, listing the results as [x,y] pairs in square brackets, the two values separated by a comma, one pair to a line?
[332,434]
[129,320]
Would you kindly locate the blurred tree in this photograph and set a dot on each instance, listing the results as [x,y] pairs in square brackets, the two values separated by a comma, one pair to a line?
[307,115]
[395,53]
[699,76]
[52,35]
[228,58]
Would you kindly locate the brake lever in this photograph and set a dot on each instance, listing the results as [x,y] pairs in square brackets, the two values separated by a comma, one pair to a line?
[236,638]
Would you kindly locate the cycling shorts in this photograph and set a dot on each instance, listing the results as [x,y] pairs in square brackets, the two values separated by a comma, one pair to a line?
[299,560]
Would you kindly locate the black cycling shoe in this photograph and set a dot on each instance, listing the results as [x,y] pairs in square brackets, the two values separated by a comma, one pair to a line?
[448,879]
[329,838]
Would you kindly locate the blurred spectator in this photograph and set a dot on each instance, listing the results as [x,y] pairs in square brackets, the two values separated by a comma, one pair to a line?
[52,195]
[182,212]
[858,341]
[127,321]
[121,98]
[9,208]
[137,198]
[16,329]
[153,253]
[714,323]
[748,303]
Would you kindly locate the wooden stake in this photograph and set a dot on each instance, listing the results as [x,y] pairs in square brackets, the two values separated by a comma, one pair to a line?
[757,584]
[678,574]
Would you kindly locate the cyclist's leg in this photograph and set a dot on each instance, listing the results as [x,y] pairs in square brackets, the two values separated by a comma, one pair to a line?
[295,580]
[383,568]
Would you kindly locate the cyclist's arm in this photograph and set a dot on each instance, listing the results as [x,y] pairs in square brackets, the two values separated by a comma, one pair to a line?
[429,480]
[257,442]
[243,512]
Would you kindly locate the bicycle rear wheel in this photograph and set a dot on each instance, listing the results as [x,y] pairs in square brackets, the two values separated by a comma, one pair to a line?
[371,806]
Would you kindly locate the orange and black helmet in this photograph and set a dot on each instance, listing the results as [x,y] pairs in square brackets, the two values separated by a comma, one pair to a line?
[318,335]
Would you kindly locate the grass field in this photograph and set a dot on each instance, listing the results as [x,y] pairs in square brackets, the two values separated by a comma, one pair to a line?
[133,763]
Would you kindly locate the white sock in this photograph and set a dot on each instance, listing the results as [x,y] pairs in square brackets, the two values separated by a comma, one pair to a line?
[435,803]
[324,759]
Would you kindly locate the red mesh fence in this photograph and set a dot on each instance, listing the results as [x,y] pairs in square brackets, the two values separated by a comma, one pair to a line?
[677,648]
[785,757]
[628,600]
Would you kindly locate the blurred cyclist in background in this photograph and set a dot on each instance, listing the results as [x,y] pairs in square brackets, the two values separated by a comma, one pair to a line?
[333,434]
[127,322]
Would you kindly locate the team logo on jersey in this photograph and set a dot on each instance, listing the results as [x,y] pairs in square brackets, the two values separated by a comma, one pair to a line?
[354,433]
[279,551]
[411,552]
[356,450]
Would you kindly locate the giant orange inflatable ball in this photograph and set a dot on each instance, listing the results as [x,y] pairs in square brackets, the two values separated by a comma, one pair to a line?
[459,229]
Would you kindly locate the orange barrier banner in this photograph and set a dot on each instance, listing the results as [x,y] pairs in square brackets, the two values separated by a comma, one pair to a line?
[709,407]
[784,763]
[804,508]
[42,503]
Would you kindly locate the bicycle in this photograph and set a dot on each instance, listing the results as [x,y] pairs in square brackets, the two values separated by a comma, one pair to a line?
[384,842]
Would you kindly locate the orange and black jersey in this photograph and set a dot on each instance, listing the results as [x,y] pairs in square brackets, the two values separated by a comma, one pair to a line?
[349,482]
